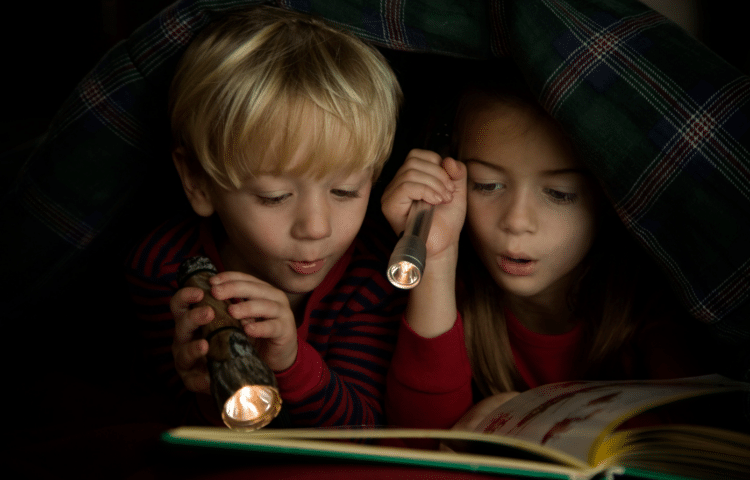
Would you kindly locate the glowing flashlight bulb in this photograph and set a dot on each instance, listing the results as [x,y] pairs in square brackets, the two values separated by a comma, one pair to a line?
[251,407]
[404,275]
[407,261]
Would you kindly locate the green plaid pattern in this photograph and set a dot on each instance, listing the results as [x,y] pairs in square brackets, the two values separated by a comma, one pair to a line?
[661,120]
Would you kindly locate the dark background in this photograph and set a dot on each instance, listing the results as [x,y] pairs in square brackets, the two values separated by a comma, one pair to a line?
[47,47]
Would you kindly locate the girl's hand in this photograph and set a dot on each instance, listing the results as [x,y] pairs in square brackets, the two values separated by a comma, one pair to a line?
[265,315]
[426,176]
[188,349]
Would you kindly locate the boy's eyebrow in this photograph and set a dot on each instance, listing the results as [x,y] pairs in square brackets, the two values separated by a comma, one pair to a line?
[549,173]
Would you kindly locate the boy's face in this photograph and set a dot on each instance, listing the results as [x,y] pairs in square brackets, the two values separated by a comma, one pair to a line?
[530,209]
[291,230]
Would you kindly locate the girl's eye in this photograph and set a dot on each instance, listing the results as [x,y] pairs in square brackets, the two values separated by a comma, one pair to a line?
[273,200]
[487,187]
[559,197]
[341,193]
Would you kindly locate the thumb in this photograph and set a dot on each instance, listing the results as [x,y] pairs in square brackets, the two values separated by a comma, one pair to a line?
[455,169]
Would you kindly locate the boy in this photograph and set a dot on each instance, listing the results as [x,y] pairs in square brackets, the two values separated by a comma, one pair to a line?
[281,124]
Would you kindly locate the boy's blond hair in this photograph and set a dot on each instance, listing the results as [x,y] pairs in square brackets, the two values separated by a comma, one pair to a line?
[258,85]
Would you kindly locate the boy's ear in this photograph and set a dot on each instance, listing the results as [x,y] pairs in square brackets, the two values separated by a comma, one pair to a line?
[194,183]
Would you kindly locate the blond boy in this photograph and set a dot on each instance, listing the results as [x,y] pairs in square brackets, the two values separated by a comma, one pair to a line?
[281,124]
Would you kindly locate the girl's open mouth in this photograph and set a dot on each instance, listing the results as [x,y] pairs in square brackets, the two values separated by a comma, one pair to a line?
[520,267]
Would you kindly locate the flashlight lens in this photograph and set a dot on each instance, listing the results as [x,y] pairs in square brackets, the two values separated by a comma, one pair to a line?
[251,407]
[404,275]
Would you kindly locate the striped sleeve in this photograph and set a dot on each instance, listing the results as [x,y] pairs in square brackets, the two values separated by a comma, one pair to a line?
[339,376]
[151,275]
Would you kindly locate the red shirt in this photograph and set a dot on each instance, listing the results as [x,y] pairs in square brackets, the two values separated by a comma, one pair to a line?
[540,358]
[430,380]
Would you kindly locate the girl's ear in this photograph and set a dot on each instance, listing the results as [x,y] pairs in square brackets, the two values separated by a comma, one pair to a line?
[194,183]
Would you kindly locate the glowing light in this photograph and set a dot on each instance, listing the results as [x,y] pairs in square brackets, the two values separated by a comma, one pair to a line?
[251,407]
[404,275]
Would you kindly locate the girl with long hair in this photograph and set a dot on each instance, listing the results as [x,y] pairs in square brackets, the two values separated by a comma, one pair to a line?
[547,283]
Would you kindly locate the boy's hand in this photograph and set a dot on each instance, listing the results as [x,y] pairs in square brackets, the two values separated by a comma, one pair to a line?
[426,176]
[265,315]
[188,349]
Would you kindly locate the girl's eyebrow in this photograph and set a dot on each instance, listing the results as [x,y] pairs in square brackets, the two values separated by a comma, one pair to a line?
[485,163]
[548,173]
[565,171]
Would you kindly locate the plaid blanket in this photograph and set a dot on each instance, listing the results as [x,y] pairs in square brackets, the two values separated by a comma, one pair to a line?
[662,121]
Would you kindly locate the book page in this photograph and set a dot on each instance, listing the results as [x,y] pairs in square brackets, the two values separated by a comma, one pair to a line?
[325,443]
[575,417]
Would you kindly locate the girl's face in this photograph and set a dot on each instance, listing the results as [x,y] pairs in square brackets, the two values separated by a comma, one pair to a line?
[531,206]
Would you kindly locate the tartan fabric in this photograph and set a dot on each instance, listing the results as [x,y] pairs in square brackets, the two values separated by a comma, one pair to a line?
[661,120]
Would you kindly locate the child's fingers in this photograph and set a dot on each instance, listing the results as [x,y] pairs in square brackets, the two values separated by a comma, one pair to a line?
[189,355]
[426,155]
[190,321]
[232,276]
[276,341]
[455,170]
[182,300]
[189,361]
[259,308]
[429,165]
[270,329]
[400,198]
[232,286]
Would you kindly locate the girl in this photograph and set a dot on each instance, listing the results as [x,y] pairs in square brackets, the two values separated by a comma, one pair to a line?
[550,287]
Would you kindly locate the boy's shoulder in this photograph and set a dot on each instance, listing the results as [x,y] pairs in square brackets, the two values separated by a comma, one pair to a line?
[373,245]
[162,250]
[363,284]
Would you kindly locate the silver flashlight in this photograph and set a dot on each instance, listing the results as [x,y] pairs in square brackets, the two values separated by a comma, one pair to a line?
[407,261]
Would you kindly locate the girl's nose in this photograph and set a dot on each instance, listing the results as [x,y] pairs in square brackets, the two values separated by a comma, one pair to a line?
[519,214]
[313,220]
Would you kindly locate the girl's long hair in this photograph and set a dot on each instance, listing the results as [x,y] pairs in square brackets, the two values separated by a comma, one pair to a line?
[617,287]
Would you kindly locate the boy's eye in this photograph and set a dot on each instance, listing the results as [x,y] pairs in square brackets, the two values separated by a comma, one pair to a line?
[342,193]
[562,198]
[487,187]
[274,199]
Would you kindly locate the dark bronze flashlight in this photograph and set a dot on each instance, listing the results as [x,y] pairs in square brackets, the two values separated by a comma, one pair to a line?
[242,385]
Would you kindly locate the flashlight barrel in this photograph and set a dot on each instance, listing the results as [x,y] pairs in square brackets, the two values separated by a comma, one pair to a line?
[232,362]
[407,262]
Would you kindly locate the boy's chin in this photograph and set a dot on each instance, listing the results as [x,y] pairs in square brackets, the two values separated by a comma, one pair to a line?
[302,288]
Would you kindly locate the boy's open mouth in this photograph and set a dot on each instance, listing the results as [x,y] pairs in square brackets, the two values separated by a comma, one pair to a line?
[305,267]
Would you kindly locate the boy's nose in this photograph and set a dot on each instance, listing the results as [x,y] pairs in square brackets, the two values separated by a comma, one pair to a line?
[518,215]
[313,220]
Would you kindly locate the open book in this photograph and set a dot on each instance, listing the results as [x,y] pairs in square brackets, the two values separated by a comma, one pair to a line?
[572,430]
